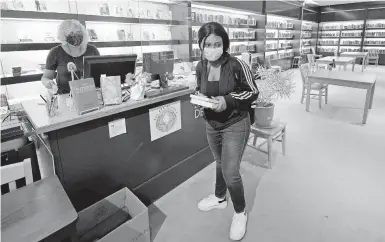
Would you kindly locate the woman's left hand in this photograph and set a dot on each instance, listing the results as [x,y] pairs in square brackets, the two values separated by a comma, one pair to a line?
[221,105]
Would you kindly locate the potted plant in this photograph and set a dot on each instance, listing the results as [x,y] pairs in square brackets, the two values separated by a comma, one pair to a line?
[272,85]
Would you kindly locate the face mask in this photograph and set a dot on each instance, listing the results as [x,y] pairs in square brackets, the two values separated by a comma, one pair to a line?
[213,54]
[74,39]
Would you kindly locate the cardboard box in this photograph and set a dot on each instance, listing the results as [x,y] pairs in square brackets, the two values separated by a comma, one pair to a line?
[120,217]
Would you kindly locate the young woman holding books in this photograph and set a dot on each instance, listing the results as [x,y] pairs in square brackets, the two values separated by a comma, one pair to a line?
[229,81]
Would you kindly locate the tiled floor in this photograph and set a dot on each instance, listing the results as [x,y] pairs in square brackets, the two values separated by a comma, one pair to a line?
[329,186]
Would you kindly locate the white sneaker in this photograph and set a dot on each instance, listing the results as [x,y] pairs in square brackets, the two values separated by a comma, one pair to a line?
[212,202]
[238,226]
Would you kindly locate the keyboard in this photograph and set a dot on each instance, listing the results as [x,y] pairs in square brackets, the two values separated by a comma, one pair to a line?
[11,133]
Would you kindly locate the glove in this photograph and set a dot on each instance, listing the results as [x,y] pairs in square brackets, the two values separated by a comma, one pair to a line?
[221,105]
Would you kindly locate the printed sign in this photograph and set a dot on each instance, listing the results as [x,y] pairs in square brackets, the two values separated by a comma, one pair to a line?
[165,120]
[84,95]
[117,127]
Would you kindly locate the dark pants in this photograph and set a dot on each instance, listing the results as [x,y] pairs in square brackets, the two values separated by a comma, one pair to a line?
[228,146]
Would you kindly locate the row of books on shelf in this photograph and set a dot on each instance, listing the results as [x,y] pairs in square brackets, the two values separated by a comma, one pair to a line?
[251,35]
[374,42]
[196,52]
[346,26]
[379,51]
[350,42]
[343,34]
[274,46]
[121,35]
[104,9]
[129,36]
[279,24]
[351,34]
[306,27]
[375,34]
[222,19]
[306,50]
[328,42]
[284,35]
[305,35]
[327,49]
[243,48]
[281,55]
[377,25]
[349,49]
[329,34]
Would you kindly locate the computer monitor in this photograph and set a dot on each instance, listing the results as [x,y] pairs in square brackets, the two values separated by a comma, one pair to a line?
[158,63]
[109,65]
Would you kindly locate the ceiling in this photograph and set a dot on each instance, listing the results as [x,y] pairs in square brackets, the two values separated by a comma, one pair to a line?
[335,2]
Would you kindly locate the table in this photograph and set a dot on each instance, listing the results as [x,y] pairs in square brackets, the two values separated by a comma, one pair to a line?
[339,61]
[38,211]
[271,135]
[362,55]
[347,79]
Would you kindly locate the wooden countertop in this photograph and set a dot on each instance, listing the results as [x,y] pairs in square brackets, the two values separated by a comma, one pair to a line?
[67,116]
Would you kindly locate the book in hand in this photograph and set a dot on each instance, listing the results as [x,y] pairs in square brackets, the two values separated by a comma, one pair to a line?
[204,101]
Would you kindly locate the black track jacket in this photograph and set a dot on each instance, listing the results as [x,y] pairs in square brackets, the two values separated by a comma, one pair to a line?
[236,85]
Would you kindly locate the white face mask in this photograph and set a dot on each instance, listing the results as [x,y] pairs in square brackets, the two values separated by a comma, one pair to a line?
[213,54]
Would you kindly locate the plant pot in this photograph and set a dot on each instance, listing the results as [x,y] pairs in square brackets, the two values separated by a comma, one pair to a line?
[264,116]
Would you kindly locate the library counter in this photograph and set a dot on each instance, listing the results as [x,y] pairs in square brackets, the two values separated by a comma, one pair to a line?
[91,165]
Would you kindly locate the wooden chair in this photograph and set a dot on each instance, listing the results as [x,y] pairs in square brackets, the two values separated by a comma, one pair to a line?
[311,60]
[315,53]
[277,133]
[296,62]
[322,89]
[11,173]
[373,57]
[269,66]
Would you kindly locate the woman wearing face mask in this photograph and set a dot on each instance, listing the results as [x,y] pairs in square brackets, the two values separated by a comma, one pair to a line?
[228,80]
[74,47]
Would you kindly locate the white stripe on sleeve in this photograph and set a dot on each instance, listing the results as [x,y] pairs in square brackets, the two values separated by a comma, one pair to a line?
[245,95]
[248,75]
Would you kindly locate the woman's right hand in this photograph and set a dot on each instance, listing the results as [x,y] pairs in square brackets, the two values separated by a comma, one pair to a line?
[47,79]
[48,83]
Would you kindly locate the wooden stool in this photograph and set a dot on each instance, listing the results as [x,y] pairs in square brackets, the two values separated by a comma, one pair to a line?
[274,134]
[296,62]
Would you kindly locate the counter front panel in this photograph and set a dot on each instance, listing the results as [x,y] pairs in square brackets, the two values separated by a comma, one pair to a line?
[92,165]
